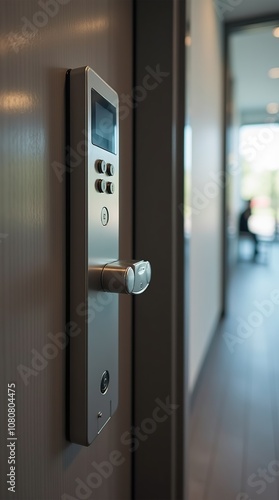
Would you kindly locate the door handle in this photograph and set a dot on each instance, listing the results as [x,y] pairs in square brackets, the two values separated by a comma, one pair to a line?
[130,277]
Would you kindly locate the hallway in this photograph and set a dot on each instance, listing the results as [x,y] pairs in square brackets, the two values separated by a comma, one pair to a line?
[234,438]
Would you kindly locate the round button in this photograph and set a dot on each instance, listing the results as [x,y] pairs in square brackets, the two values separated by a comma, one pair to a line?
[101,185]
[104,216]
[101,166]
[110,169]
[104,382]
[110,187]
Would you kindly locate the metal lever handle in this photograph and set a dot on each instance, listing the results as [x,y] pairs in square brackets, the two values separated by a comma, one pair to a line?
[121,276]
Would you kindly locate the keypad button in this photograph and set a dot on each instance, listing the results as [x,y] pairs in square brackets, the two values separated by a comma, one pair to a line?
[101,166]
[110,187]
[104,216]
[101,185]
[110,169]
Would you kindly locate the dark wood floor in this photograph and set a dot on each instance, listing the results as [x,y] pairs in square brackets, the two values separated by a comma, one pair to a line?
[234,438]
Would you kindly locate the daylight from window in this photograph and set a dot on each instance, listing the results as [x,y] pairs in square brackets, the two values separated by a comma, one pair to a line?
[259,160]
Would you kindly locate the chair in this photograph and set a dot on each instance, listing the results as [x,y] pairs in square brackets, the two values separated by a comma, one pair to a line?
[246,247]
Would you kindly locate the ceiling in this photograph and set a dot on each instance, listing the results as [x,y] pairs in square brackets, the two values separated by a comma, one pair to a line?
[247,8]
[253,52]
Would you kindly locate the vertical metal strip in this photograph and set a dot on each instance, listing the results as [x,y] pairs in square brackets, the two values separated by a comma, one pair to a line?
[177,356]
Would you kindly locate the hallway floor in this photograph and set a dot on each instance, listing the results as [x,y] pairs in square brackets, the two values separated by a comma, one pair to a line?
[234,439]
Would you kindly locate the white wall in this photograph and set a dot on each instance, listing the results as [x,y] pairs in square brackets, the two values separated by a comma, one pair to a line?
[234,201]
[205,87]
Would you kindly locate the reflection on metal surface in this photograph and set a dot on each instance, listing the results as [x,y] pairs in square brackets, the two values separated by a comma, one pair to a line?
[92,25]
[15,41]
[17,101]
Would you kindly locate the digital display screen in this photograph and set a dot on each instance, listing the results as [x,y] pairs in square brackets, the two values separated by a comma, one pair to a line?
[103,123]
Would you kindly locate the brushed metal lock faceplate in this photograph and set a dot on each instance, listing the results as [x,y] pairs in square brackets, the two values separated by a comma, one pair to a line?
[94,265]
[94,239]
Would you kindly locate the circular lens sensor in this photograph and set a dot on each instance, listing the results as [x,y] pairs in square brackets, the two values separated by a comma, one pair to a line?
[104,382]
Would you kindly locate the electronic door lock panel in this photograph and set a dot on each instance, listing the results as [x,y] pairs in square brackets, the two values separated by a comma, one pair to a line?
[96,275]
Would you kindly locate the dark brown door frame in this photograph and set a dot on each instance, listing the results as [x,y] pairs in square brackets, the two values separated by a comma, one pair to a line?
[160,370]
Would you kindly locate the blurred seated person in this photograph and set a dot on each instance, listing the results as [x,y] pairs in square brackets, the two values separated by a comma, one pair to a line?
[244,225]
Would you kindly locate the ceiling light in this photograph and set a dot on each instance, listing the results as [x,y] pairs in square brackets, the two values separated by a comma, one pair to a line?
[275,32]
[272,108]
[273,73]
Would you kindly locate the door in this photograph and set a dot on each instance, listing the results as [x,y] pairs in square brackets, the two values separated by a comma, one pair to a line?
[39,42]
